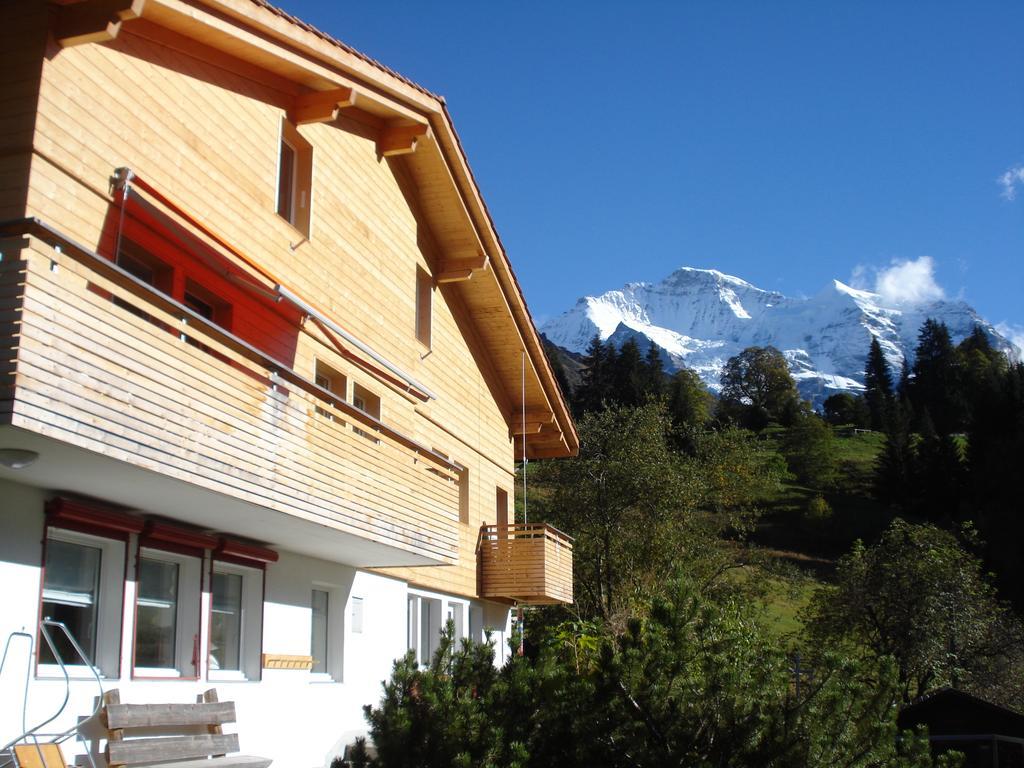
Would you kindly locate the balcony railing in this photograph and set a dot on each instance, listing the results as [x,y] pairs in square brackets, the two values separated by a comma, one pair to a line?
[102,361]
[530,563]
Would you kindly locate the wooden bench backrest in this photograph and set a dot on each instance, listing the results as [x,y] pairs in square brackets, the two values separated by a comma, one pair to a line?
[149,733]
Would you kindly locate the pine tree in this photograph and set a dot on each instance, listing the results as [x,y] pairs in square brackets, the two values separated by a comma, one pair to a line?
[629,375]
[938,381]
[894,472]
[598,370]
[877,385]
[689,402]
[939,473]
[654,372]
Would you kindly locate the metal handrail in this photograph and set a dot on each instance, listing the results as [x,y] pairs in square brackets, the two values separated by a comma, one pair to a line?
[33,733]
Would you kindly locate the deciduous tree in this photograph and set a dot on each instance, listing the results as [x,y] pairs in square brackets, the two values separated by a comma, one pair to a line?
[757,387]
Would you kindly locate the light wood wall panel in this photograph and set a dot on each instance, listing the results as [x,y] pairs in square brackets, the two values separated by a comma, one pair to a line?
[94,374]
[207,137]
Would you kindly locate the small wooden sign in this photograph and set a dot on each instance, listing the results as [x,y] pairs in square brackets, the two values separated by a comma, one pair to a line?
[284,661]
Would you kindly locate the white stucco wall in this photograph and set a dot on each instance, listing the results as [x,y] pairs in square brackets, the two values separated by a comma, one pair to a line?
[297,718]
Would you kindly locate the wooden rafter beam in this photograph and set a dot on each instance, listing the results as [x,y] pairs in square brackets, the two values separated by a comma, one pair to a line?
[530,428]
[93,21]
[461,267]
[321,106]
[401,139]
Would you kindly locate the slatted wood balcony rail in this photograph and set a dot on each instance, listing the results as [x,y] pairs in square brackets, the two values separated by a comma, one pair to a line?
[98,359]
[527,562]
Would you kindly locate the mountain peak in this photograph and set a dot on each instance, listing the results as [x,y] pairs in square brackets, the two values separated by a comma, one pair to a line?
[702,317]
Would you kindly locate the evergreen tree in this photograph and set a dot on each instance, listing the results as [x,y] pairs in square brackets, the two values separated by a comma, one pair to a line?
[629,375]
[598,376]
[877,385]
[939,473]
[810,451]
[554,360]
[995,448]
[982,366]
[654,372]
[894,471]
[689,402]
[938,383]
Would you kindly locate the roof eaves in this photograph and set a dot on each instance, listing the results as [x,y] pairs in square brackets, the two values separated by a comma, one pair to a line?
[343,46]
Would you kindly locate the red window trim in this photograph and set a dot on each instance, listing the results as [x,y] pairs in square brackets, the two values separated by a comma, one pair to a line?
[241,553]
[171,538]
[91,517]
[92,520]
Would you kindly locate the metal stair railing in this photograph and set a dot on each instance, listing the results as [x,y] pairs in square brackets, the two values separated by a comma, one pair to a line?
[34,735]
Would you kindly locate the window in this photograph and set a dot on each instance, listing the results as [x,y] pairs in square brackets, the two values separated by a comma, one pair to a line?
[236,601]
[226,622]
[157,614]
[167,615]
[333,382]
[368,403]
[208,306]
[463,495]
[138,262]
[424,295]
[357,615]
[501,512]
[424,627]
[456,615]
[83,588]
[294,179]
[71,594]
[319,648]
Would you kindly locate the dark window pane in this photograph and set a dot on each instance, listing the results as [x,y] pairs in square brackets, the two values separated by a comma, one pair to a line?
[71,589]
[226,622]
[157,614]
[197,305]
[286,183]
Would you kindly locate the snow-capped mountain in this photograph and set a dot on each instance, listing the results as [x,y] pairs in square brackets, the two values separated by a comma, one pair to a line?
[701,318]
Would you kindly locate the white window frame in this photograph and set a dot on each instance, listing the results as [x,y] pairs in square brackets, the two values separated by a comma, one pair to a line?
[187,619]
[109,609]
[337,607]
[249,654]
[426,618]
[357,614]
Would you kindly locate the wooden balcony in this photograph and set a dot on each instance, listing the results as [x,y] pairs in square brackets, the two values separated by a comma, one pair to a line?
[530,563]
[95,359]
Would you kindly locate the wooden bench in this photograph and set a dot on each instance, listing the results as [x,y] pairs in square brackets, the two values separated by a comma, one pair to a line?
[173,735]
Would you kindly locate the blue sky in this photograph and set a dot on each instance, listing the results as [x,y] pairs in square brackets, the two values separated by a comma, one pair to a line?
[787,143]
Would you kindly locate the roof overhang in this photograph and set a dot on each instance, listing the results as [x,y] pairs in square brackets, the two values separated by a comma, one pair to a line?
[321,78]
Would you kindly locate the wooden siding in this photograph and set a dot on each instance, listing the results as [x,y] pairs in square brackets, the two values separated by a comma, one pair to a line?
[203,127]
[531,563]
[93,373]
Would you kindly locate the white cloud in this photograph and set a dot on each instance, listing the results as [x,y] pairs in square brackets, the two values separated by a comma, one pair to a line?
[1015,333]
[860,278]
[909,281]
[1010,180]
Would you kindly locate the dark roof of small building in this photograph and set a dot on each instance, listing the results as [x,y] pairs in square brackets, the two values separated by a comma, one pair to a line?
[949,712]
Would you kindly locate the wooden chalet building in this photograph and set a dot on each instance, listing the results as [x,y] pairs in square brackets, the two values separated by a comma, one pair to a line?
[266,369]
